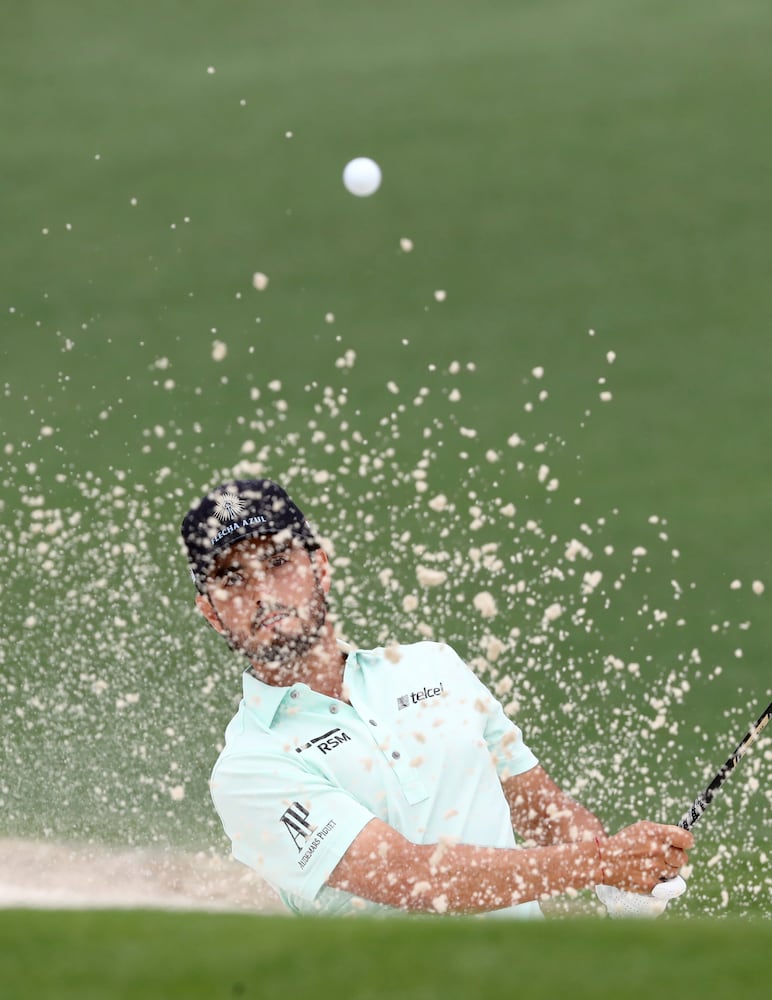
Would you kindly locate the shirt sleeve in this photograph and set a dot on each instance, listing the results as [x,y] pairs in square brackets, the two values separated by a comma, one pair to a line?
[505,741]
[508,750]
[290,825]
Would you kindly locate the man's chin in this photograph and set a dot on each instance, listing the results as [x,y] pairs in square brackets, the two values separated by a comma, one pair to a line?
[281,650]
[270,658]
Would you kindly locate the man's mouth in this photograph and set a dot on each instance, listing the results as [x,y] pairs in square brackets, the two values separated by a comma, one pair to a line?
[270,620]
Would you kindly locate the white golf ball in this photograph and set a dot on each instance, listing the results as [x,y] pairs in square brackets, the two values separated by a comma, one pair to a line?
[362,176]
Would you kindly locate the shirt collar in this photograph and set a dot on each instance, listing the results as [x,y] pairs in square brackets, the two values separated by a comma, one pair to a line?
[264,699]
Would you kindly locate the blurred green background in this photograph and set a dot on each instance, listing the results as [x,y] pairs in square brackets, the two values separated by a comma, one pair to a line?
[560,168]
[137,954]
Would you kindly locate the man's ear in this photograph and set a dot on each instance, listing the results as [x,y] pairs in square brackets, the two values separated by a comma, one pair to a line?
[204,605]
[322,563]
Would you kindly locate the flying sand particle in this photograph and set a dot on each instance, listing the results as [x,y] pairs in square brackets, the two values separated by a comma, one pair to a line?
[485,603]
[428,577]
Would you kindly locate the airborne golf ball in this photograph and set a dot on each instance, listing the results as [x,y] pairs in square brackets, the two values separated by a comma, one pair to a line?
[362,176]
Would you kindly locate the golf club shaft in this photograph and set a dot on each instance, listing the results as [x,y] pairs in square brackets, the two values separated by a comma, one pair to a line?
[702,801]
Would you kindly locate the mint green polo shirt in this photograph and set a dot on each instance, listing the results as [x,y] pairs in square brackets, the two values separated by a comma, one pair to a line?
[423,746]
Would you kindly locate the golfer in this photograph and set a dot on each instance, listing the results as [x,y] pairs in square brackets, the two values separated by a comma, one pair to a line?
[384,779]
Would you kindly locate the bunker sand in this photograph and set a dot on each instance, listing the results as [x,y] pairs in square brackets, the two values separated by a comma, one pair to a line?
[54,875]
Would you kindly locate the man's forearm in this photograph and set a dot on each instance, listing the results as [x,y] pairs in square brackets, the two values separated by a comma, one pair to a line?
[384,867]
[568,823]
[543,814]
[464,879]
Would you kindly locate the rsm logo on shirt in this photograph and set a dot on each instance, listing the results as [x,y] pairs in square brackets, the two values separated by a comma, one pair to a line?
[406,700]
[326,742]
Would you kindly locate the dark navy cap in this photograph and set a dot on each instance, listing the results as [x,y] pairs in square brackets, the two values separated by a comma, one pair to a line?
[236,510]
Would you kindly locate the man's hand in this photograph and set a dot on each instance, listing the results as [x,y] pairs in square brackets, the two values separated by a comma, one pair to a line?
[640,866]
[642,855]
[620,903]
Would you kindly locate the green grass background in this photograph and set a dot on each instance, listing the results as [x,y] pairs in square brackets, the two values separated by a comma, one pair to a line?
[126,955]
[560,167]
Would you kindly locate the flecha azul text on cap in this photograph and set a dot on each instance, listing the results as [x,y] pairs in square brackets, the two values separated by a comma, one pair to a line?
[247,522]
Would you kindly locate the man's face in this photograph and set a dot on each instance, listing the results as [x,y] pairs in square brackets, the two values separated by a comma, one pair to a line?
[268,598]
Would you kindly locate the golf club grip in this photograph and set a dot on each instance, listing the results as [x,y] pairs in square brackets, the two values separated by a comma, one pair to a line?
[702,801]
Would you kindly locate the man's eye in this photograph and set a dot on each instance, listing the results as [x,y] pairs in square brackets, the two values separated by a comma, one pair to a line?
[231,580]
[276,561]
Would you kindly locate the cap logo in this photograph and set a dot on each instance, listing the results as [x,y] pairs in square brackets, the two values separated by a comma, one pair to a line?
[229,506]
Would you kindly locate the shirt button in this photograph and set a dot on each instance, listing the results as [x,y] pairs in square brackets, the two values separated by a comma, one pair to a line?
[333,709]
[293,694]
[373,722]
[396,754]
